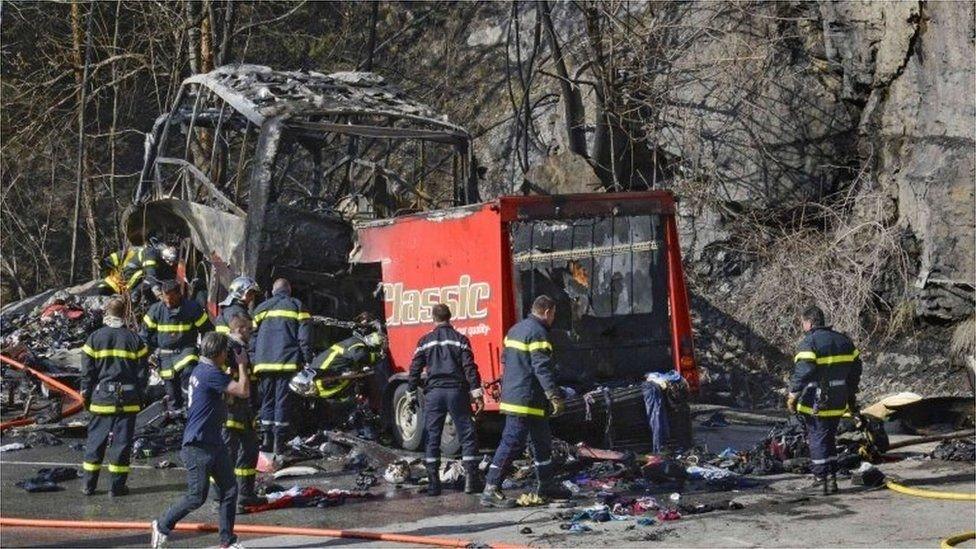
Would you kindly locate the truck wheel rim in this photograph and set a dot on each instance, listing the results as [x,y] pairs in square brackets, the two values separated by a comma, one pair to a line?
[406,419]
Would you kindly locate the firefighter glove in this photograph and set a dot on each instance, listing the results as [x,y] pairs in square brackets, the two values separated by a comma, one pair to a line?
[791,402]
[557,403]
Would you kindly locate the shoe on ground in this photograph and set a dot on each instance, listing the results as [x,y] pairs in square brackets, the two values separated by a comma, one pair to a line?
[159,539]
[119,492]
[234,545]
[832,485]
[493,497]
[555,492]
[88,491]
[816,486]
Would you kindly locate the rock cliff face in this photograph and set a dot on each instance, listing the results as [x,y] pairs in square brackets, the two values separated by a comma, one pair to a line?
[866,110]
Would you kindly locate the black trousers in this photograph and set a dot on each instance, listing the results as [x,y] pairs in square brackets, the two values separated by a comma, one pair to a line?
[242,445]
[517,430]
[822,439]
[438,403]
[276,405]
[203,461]
[121,428]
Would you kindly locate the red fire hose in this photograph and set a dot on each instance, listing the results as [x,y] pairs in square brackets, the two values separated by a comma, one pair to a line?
[50,382]
[251,529]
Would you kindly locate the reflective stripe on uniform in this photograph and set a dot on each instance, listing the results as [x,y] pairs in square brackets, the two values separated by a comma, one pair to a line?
[335,351]
[281,313]
[426,346]
[220,329]
[91,466]
[233,424]
[528,347]
[118,353]
[113,468]
[202,320]
[837,359]
[805,355]
[518,409]
[135,278]
[114,283]
[181,327]
[275,367]
[836,412]
[112,409]
[245,472]
[326,392]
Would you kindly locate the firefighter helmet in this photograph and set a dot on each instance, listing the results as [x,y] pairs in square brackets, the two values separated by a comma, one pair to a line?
[238,289]
[168,253]
[376,340]
[303,383]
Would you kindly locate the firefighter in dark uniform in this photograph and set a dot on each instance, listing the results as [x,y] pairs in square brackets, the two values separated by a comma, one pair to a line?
[452,386]
[282,346]
[350,356]
[114,374]
[171,328]
[240,428]
[529,397]
[823,388]
[156,264]
[242,293]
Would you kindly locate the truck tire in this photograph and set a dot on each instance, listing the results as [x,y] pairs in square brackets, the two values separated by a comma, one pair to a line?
[408,423]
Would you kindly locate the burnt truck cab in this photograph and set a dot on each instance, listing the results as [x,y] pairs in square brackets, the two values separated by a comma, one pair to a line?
[611,262]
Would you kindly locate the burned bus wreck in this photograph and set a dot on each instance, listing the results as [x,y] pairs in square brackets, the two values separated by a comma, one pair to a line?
[262,171]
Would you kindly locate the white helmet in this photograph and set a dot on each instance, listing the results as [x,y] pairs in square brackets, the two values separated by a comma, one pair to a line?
[168,253]
[303,383]
[376,340]
[238,289]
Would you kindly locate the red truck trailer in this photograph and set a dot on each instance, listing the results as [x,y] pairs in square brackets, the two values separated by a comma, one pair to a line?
[611,261]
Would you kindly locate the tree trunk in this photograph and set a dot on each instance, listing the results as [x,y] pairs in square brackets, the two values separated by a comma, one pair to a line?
[193,35]
[573,110]
[83,191]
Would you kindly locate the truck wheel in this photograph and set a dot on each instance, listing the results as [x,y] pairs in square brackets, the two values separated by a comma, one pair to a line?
[450,443]
[408,421]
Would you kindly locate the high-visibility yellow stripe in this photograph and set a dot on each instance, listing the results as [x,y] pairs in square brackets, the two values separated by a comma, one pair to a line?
[184,361]
[282,313]
[327,392]
[528,347]
[149,322]
[149,263]
[117,353]
[174,328]
[232,424]
[202,320]
[836,412]
[135,278]
[336,350]
[87,466]
[805,355]
[112,409]
[275,367]
[837,359]
[245,472]
[220,329]
[114,283]
[518,409]
[113,468]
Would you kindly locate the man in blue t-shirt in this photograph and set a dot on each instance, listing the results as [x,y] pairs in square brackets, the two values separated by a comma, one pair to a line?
[204,453]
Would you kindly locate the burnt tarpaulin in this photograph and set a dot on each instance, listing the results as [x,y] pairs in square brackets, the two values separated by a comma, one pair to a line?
[213,232]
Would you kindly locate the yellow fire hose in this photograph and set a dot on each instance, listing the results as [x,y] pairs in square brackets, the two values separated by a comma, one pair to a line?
[951,541]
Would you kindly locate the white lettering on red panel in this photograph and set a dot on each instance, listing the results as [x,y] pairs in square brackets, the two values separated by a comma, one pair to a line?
[467,301]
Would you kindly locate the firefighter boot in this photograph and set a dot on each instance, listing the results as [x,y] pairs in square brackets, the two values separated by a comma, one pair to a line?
[493,497]
[267,440]
[433,478]
[280,444]
[818,485]
[91,481]
[832,484]
[247,495]
[472,478]
[118,485]
[547,487]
